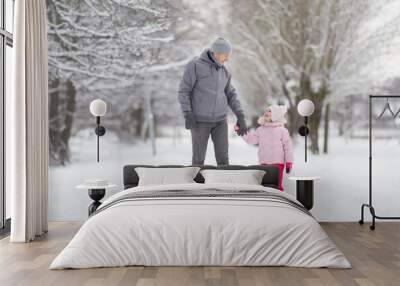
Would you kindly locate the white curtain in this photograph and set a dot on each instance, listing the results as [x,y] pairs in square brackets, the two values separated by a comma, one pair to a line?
[27,123]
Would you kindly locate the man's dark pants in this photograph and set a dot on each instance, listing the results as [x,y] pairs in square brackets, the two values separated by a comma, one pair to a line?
[219,136]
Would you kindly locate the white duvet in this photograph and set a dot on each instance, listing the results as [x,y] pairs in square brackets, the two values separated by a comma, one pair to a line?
[200,231]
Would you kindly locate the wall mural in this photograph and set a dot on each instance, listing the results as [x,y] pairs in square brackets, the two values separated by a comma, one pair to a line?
[137,56]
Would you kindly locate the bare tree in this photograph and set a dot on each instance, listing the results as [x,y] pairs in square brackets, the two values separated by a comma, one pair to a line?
[99,49]
[309,48]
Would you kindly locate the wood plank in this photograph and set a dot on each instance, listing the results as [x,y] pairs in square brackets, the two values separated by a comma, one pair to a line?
[375,257]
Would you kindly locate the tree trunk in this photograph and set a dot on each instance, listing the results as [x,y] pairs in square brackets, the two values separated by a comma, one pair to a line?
[54,121]
[291,112]
[292,120]
[62,103]
[128,126]
[314,122]
[70,105]
[341,125]
[137,115]
[326,127]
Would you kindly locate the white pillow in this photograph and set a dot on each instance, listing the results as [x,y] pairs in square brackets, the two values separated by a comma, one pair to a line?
[164,176]
[248,177]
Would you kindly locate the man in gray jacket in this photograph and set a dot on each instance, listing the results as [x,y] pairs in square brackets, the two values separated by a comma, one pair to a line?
[205,93]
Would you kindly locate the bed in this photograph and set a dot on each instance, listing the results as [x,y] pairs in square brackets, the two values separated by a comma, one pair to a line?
[198,224]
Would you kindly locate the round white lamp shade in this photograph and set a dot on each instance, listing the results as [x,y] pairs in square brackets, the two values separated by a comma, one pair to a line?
[98,107]
[305,107]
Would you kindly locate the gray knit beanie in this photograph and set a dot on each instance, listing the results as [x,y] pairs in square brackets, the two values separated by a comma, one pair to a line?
[221,46]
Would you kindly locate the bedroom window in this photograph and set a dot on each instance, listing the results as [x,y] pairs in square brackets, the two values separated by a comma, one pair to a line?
[6,45]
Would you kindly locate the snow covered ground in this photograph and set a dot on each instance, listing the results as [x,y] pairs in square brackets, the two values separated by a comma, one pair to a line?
[338,195]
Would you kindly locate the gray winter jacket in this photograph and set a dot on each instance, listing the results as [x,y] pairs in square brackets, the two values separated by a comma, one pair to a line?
[206,90]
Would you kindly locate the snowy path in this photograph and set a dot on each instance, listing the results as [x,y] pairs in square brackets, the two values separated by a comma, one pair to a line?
[338,195]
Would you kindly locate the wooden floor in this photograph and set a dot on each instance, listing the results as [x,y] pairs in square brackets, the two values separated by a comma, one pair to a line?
[375,257]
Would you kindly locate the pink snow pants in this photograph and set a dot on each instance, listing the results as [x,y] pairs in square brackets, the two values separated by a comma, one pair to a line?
[280,167]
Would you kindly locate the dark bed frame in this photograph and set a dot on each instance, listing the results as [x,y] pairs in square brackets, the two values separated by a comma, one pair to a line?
[270,179]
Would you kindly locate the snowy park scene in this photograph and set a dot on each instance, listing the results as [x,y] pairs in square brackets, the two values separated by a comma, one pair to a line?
[133,54]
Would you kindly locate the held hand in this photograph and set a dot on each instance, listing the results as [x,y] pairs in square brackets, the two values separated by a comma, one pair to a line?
[241,123]
[289,166]
[237,129]
[190,121]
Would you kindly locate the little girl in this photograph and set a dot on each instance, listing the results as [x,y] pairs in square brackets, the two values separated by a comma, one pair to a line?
[275,145]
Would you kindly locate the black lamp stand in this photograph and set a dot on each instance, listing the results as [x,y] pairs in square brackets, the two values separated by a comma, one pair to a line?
[303,131]
[96,195]
[100,131]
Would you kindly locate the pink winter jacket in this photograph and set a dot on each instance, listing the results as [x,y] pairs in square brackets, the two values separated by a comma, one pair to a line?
[275,145]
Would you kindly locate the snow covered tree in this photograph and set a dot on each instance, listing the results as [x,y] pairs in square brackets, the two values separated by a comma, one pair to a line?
[316,49]
[97,49]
